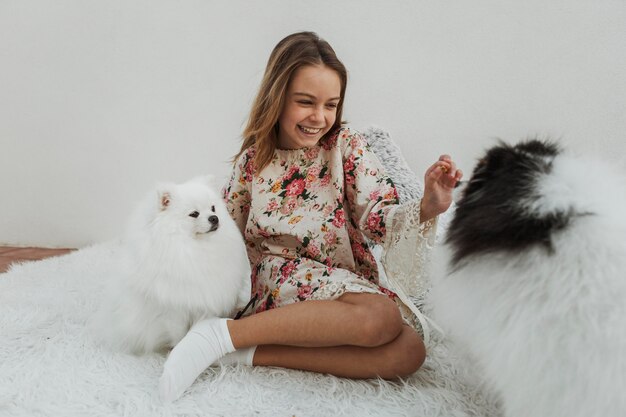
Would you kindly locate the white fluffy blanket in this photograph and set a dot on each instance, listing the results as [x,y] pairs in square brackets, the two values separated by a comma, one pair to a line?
[50,366]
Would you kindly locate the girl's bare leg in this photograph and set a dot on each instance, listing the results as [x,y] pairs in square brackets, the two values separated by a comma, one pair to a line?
[357,335]
[353,319]
[401,357]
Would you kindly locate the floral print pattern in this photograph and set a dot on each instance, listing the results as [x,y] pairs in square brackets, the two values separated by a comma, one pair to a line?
[305,215]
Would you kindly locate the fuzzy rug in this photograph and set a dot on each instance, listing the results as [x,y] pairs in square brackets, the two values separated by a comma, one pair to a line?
[50,366]
[408,184]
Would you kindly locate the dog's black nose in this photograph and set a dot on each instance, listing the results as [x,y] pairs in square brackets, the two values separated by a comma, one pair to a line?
[214,220]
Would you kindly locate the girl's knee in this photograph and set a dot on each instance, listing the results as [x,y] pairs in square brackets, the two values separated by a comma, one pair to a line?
[380,321]
[405,356]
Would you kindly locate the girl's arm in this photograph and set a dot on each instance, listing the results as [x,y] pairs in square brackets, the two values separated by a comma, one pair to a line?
[236,193]
[407,231]
[439,182]
[371,195]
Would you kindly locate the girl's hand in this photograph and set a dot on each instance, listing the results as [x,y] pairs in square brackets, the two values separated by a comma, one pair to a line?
[439,182]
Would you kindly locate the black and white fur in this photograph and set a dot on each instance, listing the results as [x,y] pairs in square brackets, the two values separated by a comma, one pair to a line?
[535,286]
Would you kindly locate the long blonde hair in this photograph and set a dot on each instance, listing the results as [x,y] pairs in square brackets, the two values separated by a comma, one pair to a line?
[291,53]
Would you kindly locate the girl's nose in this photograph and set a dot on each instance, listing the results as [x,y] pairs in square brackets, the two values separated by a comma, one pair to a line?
[318,114]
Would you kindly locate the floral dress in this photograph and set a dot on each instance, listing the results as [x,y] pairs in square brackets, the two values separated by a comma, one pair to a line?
[305,218]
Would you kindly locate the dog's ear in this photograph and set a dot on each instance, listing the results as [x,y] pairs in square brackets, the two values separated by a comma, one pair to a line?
[164,195]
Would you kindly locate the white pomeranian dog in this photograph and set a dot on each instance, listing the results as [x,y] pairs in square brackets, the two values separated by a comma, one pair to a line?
[183,260]
[535,287]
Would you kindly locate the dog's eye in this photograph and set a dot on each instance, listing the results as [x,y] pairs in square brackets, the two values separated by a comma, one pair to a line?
[213,209]
[195,214]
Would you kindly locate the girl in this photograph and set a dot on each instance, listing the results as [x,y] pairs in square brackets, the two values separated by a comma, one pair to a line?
[305,191]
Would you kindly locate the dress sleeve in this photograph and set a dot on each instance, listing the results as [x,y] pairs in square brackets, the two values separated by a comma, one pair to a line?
[236,193]
[370,194]
[375,208]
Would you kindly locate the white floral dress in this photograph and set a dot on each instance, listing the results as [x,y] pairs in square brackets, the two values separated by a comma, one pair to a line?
[304,218]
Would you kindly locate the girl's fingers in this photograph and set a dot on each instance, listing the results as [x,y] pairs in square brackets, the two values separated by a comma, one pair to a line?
[448,167]
[437,166]
[444,168]
[435,173]
[444,165]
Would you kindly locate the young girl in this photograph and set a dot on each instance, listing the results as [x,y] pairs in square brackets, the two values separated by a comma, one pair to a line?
[305,191]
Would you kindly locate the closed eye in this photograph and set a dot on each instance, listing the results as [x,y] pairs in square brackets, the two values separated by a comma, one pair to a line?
[194,214]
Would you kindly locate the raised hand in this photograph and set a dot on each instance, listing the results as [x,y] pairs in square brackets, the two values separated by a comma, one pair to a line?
[439,182]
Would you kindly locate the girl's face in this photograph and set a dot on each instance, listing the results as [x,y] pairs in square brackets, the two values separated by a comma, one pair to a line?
[310,107]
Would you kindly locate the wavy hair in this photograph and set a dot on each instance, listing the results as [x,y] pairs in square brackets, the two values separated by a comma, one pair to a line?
[291,53]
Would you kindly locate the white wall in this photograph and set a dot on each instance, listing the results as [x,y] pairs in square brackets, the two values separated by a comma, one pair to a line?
[100,99]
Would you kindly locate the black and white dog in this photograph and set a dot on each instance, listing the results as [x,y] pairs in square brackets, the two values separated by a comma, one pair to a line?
[535,286]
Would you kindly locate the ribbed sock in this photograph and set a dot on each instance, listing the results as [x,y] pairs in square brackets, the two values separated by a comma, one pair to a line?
[207,341]
[239,357]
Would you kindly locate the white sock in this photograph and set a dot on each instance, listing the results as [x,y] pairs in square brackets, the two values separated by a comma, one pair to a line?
[239,357]
[207,341]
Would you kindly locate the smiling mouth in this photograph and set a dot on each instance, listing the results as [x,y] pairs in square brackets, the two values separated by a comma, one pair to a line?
[309,130]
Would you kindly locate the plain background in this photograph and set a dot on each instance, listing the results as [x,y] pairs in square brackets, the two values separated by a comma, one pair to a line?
[99,100]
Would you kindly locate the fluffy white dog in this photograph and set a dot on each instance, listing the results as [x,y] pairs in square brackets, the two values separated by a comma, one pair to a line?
[183,260]
[536,280]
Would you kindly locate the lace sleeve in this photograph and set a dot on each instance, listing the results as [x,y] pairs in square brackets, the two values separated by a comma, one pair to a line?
[407,249]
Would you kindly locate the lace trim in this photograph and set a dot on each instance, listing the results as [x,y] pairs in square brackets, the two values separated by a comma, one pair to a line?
[334,290]
[407,249]
[406,257]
